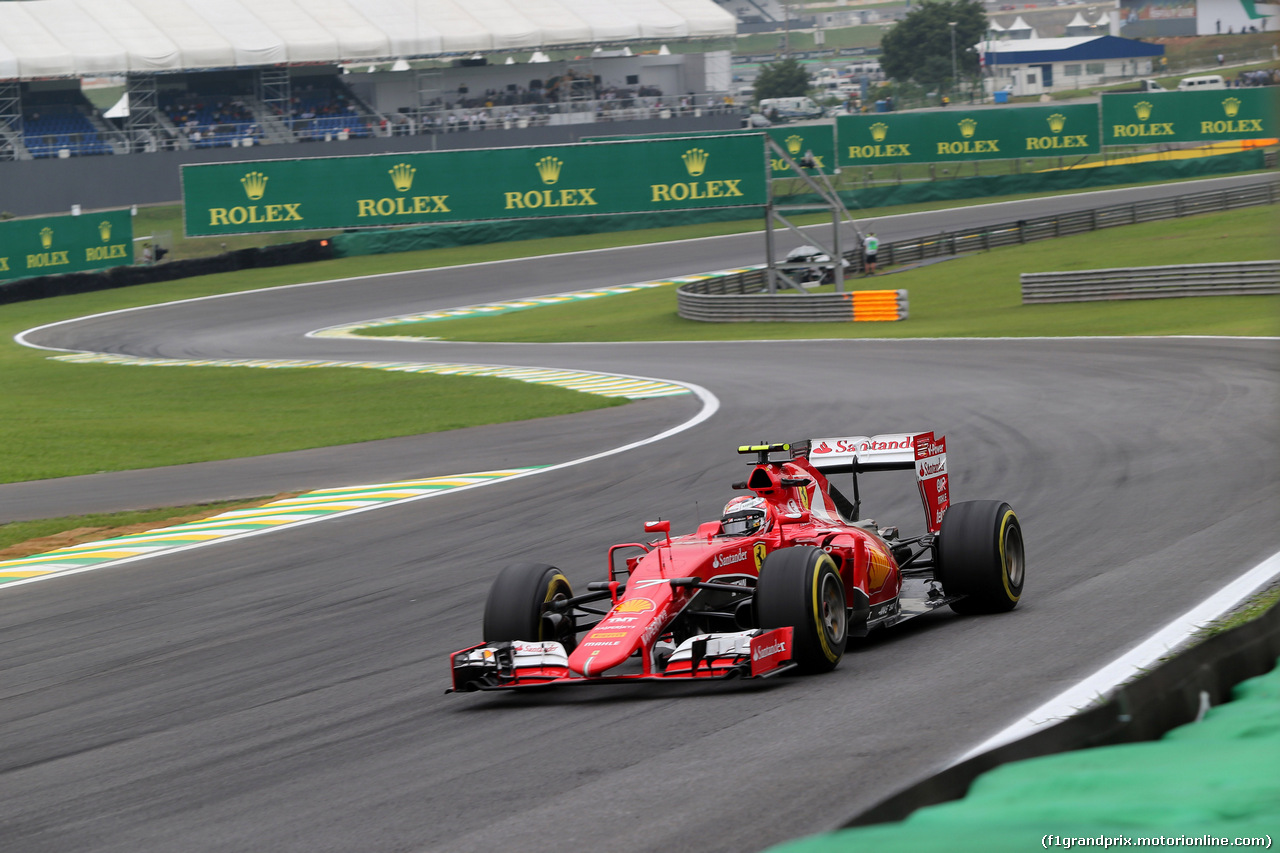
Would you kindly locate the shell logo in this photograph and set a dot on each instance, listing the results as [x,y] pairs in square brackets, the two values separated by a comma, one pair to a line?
[634,605]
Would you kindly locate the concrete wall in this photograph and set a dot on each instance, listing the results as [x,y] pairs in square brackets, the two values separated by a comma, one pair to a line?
[32,187]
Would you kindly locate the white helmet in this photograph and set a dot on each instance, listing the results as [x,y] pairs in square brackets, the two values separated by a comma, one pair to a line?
[743,516]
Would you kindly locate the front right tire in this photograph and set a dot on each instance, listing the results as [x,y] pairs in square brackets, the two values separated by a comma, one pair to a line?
[518,606]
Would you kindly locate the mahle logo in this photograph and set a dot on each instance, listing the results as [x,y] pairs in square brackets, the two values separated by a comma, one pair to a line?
[402,176]
[104,230]
[255,185]
[1057,122]
[695,161]
[549,169]
[46,237]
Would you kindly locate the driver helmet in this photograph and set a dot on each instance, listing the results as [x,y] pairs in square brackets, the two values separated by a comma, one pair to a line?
[743,516]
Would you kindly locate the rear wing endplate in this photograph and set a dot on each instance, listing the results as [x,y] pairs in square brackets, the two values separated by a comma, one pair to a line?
[922,451]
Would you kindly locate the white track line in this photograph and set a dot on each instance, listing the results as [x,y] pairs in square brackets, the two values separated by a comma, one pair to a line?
[710,405]
[1168,639]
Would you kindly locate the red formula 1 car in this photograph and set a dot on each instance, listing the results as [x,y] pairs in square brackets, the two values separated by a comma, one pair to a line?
[779,583]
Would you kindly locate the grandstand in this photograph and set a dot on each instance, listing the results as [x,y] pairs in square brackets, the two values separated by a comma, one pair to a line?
[232,73]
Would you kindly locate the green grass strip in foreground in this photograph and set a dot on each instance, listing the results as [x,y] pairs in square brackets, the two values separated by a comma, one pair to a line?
[972,296]
[1215,777]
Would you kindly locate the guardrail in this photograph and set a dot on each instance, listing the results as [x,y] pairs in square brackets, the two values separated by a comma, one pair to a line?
[1062,225]
[741,297]
[1225,279]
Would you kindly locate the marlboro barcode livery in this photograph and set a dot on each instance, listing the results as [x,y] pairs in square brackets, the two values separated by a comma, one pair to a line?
[778,584]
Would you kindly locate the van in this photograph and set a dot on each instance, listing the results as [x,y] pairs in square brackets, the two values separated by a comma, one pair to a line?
[1209,81]
[791,108]
[1150,86]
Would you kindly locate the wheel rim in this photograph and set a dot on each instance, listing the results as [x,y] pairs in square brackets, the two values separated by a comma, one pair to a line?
[1013,558]
[832,604]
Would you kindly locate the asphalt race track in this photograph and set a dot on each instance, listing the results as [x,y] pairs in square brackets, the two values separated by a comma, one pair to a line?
[286,692]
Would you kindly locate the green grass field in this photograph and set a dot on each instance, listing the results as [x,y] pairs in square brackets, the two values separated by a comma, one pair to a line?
[108,418]
[972,296]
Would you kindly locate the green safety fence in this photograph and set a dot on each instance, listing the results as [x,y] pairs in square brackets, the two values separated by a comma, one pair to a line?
[1202,782]
[476,233]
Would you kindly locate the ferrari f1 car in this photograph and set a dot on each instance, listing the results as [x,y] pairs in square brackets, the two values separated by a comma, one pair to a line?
[779,583]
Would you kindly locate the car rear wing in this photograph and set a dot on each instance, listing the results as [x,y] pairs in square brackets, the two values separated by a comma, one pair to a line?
[922,452]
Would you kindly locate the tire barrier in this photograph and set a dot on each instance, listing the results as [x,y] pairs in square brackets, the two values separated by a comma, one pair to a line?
[40,287]
[1241,278]
[740,297]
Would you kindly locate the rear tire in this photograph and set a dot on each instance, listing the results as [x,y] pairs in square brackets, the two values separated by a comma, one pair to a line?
[981,556]
[801,588]
[517,606]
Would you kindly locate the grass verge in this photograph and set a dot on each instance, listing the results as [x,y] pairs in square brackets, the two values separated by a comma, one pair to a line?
[973,296]
[24,538]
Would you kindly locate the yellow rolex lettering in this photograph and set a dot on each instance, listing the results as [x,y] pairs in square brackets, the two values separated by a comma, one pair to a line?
[364,207]
[1234,126]
[217,216]
[514,200]
[731,187]
[4,264]
[1156,128]
[661,192]
[48,259]
[441,207]
[867,152]
[104,253]
[291,212]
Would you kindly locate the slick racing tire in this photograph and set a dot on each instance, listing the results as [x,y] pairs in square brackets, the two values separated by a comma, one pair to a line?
[981,556]
[517,606]
[801,588]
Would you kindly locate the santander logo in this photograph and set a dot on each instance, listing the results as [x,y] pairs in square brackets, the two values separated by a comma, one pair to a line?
[768,651]
[722,560]
[822,447]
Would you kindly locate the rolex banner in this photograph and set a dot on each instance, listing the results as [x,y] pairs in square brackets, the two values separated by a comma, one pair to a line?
[937,136]
[1204,116]
[798,139]
[473,185]
[57,244]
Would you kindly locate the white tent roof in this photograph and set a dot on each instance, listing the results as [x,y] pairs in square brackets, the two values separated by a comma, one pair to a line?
[68,38]
[1019,24]
[1079,21]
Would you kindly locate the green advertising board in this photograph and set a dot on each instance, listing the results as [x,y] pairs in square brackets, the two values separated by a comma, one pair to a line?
[473,185]
[57,244]
[819,139]
[1195,116]
[937,136]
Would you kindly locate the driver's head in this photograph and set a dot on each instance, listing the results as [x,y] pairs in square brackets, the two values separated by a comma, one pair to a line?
[743,516]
